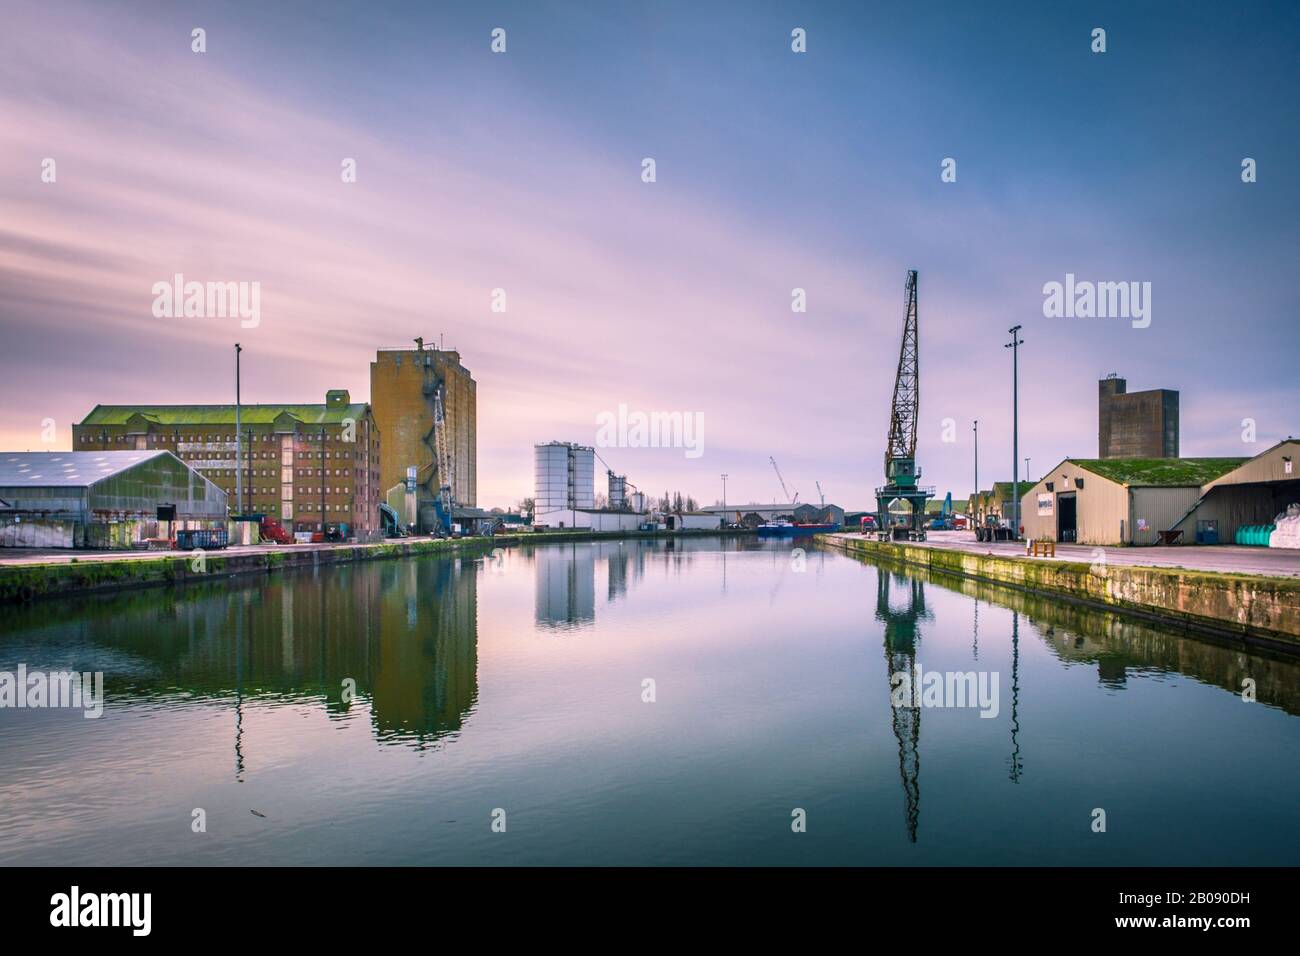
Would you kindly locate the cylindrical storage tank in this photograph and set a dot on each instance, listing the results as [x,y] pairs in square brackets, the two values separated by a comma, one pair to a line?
[638,502]
[617,491]
[551,477]
[582,483]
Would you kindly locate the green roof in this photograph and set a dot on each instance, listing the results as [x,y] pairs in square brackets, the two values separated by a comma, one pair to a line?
[935,506]
[223,414]
[1004,490]
[1166,472]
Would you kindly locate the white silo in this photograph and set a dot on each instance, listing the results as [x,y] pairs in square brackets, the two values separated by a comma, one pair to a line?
[617,491]
[565,477]
[551,485]
[583,473]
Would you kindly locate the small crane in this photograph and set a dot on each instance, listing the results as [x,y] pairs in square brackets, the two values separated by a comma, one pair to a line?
[445,502]
[784,490]
[821,494]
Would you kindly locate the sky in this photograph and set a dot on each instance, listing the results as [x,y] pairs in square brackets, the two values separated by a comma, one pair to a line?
[774,171]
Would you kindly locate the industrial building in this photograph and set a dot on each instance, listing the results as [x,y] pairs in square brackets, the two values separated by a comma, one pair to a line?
[405,388]
[1117,501]
[740,514]
[102,499]
[564,494]
[994,502]
[1135,424]
[565,491]
[310,466]
[1252,494]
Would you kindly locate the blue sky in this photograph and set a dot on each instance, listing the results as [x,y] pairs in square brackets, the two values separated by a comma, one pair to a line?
[775,170]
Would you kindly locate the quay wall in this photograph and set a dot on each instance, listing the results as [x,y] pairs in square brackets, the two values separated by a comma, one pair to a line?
[30,582]
[1251,609]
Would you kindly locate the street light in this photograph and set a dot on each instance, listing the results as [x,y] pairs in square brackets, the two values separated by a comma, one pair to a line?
[239,480]
[1014,345]
[977,456]
[724,499]
[1027,480]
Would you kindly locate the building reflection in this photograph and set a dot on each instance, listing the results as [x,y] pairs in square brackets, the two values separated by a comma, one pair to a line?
[424,652]
[565,594]
[399,638]
[565,576]
[1117,646]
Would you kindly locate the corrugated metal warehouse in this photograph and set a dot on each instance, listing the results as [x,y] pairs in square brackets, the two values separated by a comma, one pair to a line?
[1253,494]
[101,499]
[1117,500]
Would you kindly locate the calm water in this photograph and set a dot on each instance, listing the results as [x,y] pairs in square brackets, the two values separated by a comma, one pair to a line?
[518,683]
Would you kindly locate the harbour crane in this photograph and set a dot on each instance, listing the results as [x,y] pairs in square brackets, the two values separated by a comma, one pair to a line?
[784,490]
[901,472]
[445,501]
[438,477]
[821,494]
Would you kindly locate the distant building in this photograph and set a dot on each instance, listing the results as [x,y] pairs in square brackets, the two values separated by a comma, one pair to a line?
[995,502]
[403,386]
[740,513]
[1135,424]
[102,499]
[299,462]
[693,521]
[817,514]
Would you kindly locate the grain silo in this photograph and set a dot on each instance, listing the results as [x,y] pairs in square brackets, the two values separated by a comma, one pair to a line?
[617,492]
[565,477]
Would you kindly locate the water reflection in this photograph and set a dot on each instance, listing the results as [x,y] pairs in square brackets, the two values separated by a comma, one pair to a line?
[902,636]
[356,704]
[399,638]
[1015,762]
[1119,647]
[565,574]
[566,586]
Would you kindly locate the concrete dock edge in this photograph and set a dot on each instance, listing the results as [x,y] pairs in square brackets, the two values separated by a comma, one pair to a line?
[32,582]
[1249,609]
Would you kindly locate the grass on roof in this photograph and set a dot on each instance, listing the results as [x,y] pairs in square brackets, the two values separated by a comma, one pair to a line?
[1160,471]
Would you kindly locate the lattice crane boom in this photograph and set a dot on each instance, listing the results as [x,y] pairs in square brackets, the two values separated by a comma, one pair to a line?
[907,386]
[784,490]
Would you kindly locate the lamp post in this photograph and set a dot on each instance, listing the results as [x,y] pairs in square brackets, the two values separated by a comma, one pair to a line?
[239,472]
[724,500]
[977,457]
[1027,478]
[1014,345]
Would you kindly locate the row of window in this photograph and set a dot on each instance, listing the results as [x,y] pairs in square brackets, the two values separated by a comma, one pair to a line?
[213,474]
[88,438]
